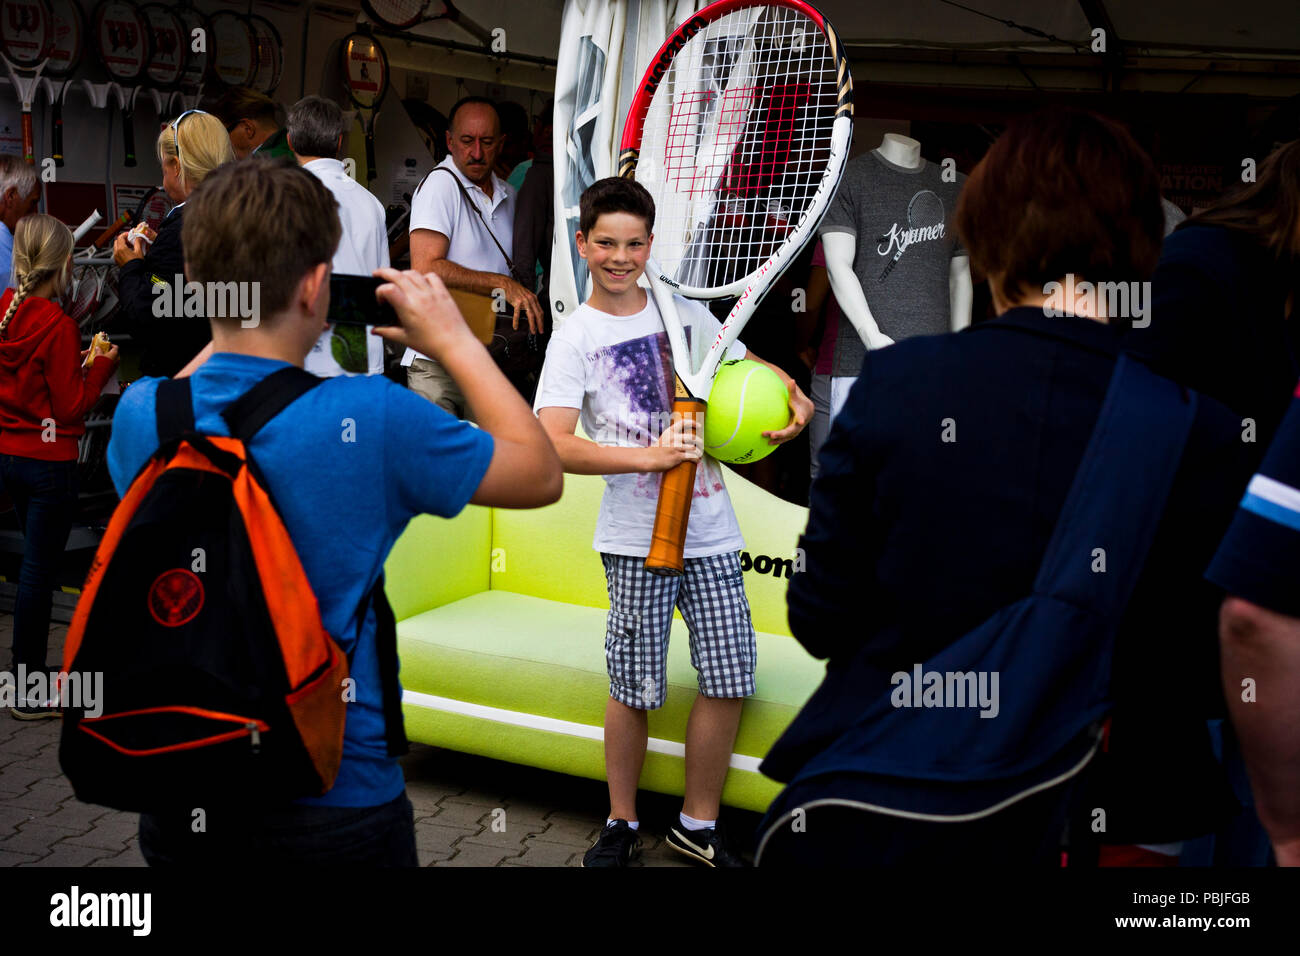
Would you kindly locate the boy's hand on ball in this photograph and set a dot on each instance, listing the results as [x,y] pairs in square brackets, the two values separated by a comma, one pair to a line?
[801,413]
[682,441]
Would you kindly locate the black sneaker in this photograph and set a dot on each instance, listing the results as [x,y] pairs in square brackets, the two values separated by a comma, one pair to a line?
[35,712]
[704,846]
[617,845]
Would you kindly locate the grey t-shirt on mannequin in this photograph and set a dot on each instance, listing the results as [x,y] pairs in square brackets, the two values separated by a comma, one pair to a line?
[902,219]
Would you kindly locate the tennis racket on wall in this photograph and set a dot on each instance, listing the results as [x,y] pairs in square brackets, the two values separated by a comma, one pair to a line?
[26,39]
[404,14]
[125,44]
[740,130]
[270,54]
[365,78]
[234,57]
[65,57]
[400,14]
[196,63]
[167,64]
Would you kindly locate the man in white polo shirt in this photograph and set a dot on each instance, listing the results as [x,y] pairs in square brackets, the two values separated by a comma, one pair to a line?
[315,132]
[468,246]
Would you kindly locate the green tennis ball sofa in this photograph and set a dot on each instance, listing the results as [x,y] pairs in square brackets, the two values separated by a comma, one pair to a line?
[501,633]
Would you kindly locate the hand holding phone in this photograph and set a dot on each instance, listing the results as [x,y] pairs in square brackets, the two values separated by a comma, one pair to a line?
[353,302]
[430,318]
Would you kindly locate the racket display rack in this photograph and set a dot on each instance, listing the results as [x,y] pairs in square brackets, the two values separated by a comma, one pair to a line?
[95,487]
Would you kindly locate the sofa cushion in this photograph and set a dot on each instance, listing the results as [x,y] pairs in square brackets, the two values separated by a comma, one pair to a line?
[530,656]
[546,552]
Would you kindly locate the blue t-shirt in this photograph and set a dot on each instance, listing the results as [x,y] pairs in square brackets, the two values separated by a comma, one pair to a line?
[1259,559]
[6,257]
[348,464]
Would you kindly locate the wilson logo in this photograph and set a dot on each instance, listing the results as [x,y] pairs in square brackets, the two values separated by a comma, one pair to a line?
[767,564]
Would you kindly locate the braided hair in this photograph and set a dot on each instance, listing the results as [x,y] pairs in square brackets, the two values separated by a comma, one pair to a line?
[42,245]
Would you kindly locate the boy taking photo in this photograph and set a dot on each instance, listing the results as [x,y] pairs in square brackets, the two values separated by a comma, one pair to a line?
[348,463]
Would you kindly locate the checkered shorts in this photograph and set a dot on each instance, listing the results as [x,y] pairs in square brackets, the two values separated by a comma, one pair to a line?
[711,596]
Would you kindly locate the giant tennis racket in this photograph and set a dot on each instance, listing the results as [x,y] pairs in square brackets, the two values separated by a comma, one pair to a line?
[740,131]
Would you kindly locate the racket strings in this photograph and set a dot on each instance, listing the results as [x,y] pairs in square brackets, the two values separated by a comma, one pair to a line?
[398,11]
[735,143]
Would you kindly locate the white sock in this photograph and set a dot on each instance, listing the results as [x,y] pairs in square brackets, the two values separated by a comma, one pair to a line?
[634,824]
[693,824]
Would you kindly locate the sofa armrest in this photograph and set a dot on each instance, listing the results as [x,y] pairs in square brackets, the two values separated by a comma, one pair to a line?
[437,561]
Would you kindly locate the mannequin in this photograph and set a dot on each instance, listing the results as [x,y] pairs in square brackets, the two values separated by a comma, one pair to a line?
[840,249]
[895,174]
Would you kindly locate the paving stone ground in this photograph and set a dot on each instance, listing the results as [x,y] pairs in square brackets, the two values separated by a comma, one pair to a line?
[469,811]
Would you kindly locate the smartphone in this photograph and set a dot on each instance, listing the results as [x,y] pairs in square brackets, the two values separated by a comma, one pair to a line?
[353,302]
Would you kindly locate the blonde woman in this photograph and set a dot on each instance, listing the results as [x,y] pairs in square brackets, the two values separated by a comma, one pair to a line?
[45,392]
[189,148]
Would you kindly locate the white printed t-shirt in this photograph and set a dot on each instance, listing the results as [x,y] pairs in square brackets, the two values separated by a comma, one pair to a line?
[617,370]
[363,247]
[439,205]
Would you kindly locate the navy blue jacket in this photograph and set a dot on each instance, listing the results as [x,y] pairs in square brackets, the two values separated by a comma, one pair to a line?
[1217,324]
[940,484]
[166,344]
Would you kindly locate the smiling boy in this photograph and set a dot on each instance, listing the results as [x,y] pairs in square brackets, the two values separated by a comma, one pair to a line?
[609,367]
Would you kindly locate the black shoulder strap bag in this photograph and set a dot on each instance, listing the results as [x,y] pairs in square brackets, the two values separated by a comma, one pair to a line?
[516,351]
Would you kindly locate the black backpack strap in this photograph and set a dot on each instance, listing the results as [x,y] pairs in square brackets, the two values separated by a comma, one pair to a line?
[386,654]
[510,266]
[173,410]
[246,415]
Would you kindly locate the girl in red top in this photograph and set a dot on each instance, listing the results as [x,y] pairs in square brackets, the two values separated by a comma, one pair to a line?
[45,393]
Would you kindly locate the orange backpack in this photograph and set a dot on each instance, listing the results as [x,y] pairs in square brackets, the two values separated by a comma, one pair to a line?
[220,682]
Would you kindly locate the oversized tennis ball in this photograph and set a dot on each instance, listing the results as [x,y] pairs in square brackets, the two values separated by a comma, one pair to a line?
[747,399]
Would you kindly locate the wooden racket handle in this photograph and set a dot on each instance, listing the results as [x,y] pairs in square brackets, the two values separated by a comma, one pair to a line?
[668,541]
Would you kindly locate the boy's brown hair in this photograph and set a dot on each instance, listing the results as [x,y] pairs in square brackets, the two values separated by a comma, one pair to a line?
[1062,191]
[615,194]
[260,220]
